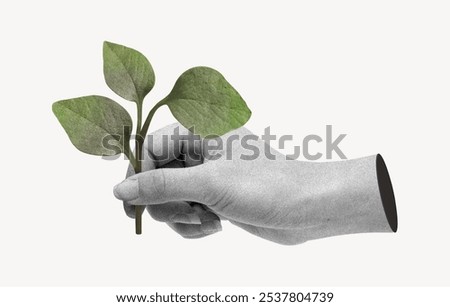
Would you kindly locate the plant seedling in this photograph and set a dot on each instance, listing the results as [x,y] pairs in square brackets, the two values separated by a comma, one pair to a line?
[202,100]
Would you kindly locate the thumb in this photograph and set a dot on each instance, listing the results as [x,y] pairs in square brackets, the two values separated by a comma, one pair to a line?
[166,185]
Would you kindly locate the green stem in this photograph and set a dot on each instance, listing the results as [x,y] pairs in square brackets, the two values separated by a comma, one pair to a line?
[126,149]
[139,118]
[139,210]
[152,112]
[132,159]
[138,165]
[139,139]
[141,133]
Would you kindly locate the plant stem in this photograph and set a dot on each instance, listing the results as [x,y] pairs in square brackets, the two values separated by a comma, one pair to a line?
[131,157]
[126,147]
[139,142]
[139,210]
[141,133]
[139,118]
[139,138]
[152,112]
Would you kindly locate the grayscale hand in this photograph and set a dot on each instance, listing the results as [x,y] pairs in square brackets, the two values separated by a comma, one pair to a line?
[191,187]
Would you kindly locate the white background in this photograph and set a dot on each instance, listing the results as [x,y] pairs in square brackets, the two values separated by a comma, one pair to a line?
[376,70]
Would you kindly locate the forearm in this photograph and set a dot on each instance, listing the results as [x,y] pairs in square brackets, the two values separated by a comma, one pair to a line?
[353,196]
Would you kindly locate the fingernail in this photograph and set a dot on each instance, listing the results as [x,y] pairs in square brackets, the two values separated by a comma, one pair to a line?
[211,227]
[186,219]
[127,190]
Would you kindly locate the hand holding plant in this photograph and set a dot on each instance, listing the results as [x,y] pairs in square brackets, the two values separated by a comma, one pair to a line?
[201,100]
[271,196]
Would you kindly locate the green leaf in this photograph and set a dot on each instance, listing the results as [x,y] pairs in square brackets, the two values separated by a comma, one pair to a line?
[127,72]
[204,102]
[94,124]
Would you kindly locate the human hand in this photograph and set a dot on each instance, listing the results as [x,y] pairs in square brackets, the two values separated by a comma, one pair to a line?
[171,147]
[255,188]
